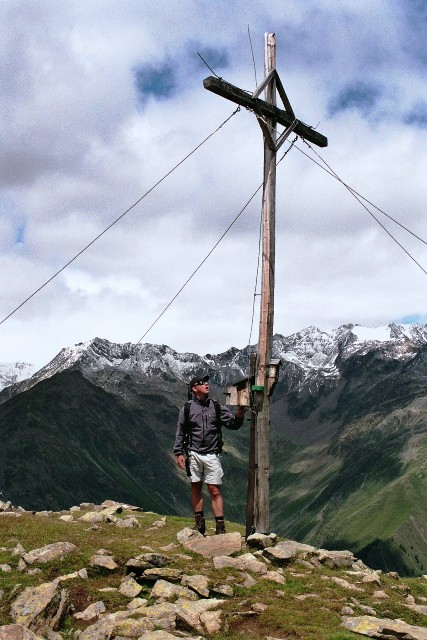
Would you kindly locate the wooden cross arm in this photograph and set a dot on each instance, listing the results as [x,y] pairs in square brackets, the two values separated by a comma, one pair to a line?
[260,107]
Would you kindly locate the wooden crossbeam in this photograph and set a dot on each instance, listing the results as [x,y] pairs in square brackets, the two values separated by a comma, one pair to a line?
[260,107]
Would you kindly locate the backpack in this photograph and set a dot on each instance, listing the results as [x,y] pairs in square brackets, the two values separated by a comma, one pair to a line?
[186,427]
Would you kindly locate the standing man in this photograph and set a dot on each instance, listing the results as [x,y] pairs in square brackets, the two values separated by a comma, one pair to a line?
[198,438]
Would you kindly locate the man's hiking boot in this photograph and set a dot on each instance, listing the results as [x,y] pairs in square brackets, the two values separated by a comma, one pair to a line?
[220,527]
[200,524]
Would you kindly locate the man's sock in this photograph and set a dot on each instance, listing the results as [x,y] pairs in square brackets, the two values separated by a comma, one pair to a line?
[219,524]
[200,525]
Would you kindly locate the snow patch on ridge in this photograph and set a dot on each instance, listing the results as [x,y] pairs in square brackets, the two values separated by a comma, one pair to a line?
[382,334]
[13,372]
[377,334]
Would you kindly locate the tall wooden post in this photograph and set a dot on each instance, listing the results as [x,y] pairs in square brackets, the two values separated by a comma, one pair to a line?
[250,495]
[266,370]
[262,469]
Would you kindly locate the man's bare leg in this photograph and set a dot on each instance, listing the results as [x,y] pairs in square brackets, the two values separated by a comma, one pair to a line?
[217,501]
[217,507]
[197,496]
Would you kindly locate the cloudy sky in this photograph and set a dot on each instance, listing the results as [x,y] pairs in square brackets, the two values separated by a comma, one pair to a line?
[101,99]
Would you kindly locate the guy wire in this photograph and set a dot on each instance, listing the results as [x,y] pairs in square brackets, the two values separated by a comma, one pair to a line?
[185,284]
[119,218]
[332,173]
[253,57]
[210,69]
[355,193]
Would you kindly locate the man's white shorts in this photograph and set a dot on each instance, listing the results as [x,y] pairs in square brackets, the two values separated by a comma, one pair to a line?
[206,468]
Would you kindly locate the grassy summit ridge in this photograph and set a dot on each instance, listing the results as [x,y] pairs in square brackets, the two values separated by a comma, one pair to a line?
[308,604]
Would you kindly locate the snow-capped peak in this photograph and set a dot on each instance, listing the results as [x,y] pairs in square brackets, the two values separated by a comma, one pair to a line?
[313,350]
[309,353]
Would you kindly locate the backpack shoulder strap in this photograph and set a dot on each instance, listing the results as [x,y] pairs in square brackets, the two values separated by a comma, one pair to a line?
[217,406]
[186,428]
[187,416]
[217,412]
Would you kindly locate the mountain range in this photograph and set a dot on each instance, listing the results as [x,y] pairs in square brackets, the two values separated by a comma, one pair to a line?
[348,435]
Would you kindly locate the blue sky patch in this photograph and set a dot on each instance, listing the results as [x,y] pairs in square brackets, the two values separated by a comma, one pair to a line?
[158,81]
[361,96]
[415,318]
[20,235]
[417,116]
[216,58]
[416,17]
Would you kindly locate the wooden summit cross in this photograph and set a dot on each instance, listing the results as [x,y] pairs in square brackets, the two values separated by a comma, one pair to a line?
[264,372]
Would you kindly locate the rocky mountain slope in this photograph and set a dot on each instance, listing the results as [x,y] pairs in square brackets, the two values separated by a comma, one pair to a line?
[348,437]
[110,571]
[308,356]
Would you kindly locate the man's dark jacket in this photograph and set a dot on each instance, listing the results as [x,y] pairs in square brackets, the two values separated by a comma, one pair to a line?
[204,434]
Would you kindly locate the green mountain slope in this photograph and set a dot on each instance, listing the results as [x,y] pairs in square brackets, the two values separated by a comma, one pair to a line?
[353,468]
[65,439]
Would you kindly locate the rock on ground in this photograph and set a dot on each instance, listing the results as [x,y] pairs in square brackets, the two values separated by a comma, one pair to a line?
[92,611]
[17,632]
[384,628]
[40,607]
[212,546]
[246,562]
[54,551]
[104,562]
[190,612]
